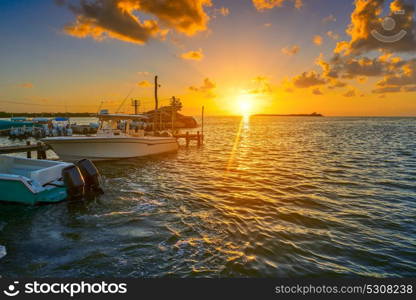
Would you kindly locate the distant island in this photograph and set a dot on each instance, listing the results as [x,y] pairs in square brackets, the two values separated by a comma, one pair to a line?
[289,115]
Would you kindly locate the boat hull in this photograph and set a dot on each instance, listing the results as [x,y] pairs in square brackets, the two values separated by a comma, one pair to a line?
[102,148]
[17,192]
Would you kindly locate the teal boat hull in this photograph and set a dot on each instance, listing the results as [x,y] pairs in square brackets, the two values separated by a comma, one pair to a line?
[17,192]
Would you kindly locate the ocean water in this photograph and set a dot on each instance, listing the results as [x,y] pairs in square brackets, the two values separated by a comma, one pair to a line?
[264,197]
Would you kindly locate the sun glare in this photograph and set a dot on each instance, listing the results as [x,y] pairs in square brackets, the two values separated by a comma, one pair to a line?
[245,104]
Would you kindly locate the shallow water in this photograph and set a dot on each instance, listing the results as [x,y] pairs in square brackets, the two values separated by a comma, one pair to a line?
[266,197]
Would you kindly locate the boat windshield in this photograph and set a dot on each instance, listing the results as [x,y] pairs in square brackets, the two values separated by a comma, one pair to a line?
[122,127]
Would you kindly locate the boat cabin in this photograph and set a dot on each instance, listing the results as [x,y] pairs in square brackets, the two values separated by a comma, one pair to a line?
[111,125]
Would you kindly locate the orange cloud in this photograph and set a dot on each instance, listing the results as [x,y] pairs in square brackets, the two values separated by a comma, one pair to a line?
[118,19]
[308,79]
[317,92]
[26,85]
[368,33]
[290,51]
[207,88]
[261,5]
[193,55]
[144,84]
[350,93]
[350,59]
[262,85]
[317,40]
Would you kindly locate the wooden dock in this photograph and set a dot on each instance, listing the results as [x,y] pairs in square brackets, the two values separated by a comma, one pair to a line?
[40,149]
[198,137]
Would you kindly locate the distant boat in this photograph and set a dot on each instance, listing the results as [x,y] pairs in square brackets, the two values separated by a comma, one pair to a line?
[6,124]
[116,139]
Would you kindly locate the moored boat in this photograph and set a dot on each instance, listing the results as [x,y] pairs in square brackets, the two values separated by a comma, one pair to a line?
[117,138]
[30,181]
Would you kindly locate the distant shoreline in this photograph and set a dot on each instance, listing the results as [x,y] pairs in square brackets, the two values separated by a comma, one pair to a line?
[46,115]
[288,115]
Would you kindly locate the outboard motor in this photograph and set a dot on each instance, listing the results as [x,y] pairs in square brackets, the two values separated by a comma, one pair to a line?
[74,182]
[90,174]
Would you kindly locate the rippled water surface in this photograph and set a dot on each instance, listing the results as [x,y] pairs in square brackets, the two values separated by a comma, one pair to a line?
[266,197]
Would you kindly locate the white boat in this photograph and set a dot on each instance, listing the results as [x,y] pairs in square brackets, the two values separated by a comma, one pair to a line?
[116,138]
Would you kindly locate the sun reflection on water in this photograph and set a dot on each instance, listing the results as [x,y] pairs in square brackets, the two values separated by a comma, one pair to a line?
[243,126]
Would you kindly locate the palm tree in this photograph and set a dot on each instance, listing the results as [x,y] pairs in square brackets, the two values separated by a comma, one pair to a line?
[175,104]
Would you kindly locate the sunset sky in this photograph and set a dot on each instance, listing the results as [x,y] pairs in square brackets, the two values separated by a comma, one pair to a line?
[233,56]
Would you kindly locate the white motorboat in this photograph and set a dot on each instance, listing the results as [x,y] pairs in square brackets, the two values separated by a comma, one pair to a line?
[116,138]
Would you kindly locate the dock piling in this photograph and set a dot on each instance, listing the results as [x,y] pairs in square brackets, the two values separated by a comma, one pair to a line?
[41,152]
[202,124]
[28,153]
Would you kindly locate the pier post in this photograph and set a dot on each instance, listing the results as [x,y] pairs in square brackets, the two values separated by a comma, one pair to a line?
[41,152]
[202,124]
[28,153]
[187,138]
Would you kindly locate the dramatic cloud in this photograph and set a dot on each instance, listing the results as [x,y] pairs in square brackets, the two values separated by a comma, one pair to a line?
[269,4]
[369,31]
[361,67]
[404,79]
[144,84]
[308,79]
[317,40]
[119,19]
[193,55]
[290,51]
[355,59]
[207,88]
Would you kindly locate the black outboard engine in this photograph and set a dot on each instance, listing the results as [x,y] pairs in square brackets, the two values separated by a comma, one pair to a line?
[91,175]
[74,182]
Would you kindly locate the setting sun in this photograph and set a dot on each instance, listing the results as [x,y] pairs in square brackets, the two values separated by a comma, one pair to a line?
[245,104]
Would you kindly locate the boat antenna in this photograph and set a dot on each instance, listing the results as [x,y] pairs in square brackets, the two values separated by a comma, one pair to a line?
[156,99]
[99,106]
[122,103]
[156,104]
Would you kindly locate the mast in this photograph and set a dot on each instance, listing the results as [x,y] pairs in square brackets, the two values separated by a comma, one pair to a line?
[156,99]
[156,103]
[135,103]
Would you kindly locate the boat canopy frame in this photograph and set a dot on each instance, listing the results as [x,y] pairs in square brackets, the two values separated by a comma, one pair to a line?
[119,117]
